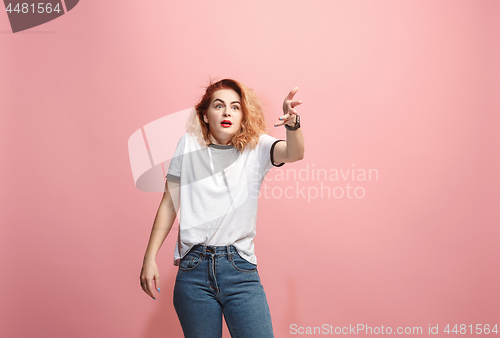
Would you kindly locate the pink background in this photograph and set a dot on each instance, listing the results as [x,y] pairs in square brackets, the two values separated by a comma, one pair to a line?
[409,88]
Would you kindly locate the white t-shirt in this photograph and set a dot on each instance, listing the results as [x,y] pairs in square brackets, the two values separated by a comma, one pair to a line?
[219,188]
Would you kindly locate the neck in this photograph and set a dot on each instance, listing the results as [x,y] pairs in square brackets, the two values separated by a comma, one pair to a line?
[215,141]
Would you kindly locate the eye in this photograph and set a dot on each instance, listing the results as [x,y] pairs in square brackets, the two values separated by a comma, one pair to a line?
[236,107]
[218,105]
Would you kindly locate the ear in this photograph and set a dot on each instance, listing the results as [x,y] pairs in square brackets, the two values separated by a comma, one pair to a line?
[205,117]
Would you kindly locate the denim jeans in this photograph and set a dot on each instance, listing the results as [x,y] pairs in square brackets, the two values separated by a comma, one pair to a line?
[215,280]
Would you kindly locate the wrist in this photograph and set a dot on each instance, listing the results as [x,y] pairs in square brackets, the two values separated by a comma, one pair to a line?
[149,256]
[292,122]
[296,125]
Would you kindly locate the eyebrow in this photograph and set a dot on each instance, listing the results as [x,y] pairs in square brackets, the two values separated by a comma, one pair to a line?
[225,102]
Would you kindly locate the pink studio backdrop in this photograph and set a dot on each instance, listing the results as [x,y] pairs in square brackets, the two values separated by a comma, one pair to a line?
[406,89]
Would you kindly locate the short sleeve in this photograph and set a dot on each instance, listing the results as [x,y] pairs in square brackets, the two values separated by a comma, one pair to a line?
[174,169]
[267,148]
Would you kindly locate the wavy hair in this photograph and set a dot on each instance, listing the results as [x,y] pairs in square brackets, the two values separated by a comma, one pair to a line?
[253,122]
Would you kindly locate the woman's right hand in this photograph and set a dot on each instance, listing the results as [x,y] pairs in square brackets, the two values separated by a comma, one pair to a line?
[150,276]
[165,217]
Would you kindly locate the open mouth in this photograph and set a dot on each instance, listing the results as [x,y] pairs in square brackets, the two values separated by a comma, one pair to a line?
[226,123]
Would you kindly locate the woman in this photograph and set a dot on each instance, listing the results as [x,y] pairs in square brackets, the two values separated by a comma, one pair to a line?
[216,173]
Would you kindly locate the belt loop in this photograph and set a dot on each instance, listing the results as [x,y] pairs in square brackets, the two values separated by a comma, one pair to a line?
[204,250]
[229,253]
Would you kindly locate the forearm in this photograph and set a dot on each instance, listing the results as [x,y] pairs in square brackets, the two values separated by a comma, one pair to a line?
[162,225]
[295,143]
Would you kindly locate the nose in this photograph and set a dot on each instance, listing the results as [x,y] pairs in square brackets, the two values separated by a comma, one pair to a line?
[226,112]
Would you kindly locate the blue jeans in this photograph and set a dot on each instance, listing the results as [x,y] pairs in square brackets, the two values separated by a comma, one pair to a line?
[215,280]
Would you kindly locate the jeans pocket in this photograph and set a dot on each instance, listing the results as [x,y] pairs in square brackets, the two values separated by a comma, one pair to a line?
[190,261]
[241,264]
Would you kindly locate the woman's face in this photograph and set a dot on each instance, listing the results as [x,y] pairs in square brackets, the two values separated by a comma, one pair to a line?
[224,115]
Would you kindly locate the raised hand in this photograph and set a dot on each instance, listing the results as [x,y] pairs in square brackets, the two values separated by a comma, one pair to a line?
[289,112]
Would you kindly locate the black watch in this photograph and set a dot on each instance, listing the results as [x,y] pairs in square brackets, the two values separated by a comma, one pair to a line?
[297,124]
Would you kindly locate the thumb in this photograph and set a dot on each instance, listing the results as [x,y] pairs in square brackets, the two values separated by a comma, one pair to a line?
[157,282]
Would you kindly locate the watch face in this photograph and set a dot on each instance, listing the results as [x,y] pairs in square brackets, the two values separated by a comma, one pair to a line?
[297,122]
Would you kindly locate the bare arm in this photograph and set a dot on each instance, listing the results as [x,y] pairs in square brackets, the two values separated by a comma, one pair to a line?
[165,217]
[293,149]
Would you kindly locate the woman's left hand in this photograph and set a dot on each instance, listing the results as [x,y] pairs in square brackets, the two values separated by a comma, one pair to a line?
[289,111]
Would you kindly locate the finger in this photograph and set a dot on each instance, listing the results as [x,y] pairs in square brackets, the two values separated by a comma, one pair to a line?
[157,282]
[149,287]
[283,122]
[295,103]
[288,115]
[144,284]
[292,93]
